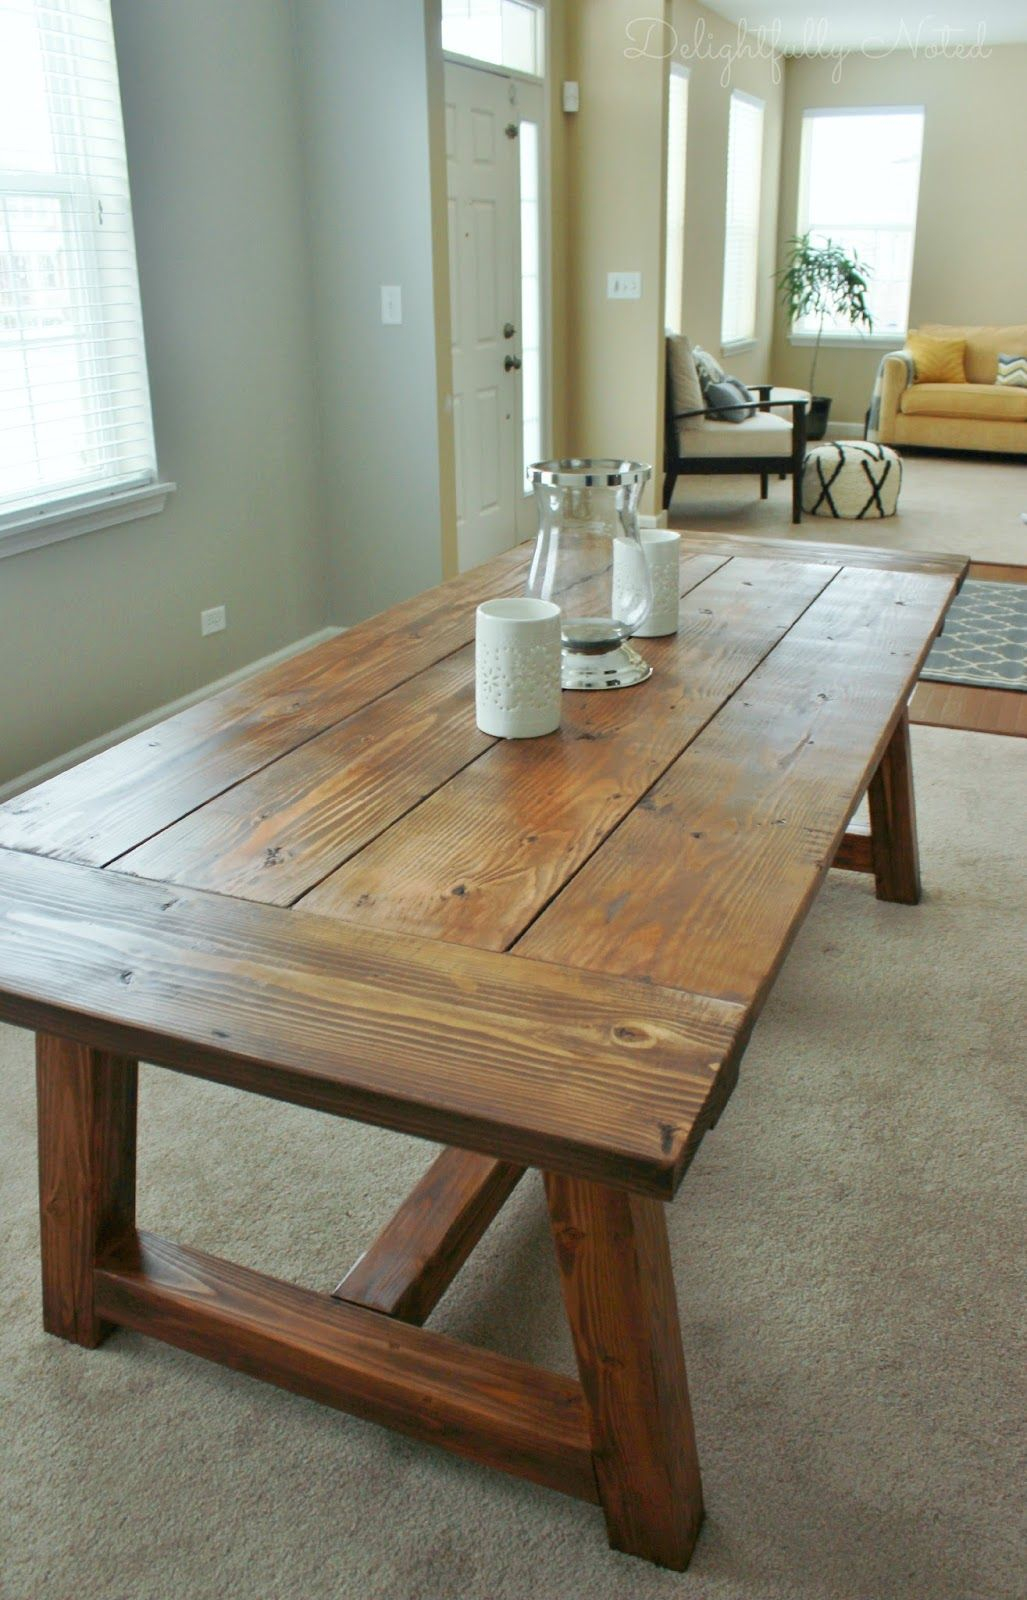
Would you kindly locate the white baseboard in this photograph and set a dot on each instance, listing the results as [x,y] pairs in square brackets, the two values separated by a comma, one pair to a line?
[104,741]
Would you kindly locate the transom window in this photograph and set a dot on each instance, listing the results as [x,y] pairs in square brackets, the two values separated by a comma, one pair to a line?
[504,33]
[859,185]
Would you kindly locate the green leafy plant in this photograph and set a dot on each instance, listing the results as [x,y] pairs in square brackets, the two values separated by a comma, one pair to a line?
[821,280]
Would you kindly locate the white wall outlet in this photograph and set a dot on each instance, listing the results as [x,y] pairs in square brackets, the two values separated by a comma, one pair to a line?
[213,620]
[392,304]
[623,286]
[571,97]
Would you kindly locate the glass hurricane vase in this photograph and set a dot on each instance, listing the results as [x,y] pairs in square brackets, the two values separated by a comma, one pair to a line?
[589,561]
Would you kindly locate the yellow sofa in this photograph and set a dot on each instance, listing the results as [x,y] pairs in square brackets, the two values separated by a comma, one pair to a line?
[977,415]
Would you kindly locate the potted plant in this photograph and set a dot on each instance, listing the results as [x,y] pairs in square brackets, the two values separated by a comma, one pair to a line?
[821,280]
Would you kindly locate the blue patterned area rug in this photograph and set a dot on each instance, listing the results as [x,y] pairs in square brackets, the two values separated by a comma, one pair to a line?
[985,638]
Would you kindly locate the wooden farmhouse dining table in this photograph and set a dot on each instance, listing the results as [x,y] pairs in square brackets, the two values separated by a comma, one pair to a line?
[325,885]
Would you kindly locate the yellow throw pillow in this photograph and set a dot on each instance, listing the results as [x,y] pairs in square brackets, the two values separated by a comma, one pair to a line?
[937,360]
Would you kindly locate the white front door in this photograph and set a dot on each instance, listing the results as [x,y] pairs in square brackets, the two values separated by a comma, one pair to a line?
[483,164]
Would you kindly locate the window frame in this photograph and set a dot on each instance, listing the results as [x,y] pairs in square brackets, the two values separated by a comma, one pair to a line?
[858,338]
[743,341]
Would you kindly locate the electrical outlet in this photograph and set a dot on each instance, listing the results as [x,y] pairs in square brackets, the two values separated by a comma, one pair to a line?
[392,304]
[213,620]
[623,286]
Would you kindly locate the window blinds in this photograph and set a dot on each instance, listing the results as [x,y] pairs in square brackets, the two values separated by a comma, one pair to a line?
[742,231]
[75,421]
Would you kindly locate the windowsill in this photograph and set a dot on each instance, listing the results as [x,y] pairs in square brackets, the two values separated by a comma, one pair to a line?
[851,341]
[36,529]
[733,347]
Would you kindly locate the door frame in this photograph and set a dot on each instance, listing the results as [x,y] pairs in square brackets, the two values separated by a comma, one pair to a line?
[437,61]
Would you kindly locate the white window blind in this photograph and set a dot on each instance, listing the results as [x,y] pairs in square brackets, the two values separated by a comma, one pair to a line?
[75,421]
[677,145]
[742,231]
[858,186]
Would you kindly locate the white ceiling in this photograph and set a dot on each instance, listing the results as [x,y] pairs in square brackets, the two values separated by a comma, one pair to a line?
[878,24]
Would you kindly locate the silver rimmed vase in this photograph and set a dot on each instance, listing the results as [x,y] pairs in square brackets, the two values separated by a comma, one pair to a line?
[587,516]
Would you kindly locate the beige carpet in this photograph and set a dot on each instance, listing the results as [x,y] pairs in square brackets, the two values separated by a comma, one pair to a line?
[845,1250]
[958,505]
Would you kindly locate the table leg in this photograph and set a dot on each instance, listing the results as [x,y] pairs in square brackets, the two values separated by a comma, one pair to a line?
[619,1293]
[86,1106]
[893,839]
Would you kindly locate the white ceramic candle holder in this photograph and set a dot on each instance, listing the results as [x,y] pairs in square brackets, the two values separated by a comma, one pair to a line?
[517,668]
[662,550]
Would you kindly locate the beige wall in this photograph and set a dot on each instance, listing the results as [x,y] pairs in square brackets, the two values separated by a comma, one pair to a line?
[971,238]
[102,628]
[611,217]
[608,189]
[709,99]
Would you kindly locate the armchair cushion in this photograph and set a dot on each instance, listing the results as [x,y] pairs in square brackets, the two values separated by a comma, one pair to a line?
[686,390]
[762,435]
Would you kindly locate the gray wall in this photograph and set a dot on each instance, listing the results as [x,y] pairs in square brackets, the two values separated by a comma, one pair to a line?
[364,100]
[102,628]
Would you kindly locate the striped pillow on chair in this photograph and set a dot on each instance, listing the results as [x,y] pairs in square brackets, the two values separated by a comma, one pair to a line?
[1012,371]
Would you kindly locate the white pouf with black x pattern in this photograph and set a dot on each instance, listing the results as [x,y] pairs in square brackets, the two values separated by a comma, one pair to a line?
[852,479]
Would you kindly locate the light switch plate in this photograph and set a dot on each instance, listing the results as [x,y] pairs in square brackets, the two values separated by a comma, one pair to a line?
[392,304]
[571,98]
[623,286]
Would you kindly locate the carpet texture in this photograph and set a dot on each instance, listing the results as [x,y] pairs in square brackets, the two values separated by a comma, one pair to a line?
[962,506]
[844,1246]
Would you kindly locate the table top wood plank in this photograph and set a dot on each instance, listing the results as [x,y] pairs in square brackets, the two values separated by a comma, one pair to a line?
[279,832]
[477,862]
[705,884]
[111,803]
[846,555]
[529,1061]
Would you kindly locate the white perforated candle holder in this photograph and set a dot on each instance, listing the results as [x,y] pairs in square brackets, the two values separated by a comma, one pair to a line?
[662,551]
[517,668]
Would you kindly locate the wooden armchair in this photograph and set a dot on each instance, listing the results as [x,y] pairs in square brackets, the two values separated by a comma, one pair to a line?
[763,444]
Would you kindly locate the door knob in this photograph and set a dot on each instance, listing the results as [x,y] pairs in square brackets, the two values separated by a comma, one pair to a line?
[508,330]
[512,363]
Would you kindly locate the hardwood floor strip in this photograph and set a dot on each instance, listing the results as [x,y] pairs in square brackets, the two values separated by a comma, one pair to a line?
[534,1063]
[415,1258]
[974,710]
[479,860]
[487,1407]
[113,802]
[707,881]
